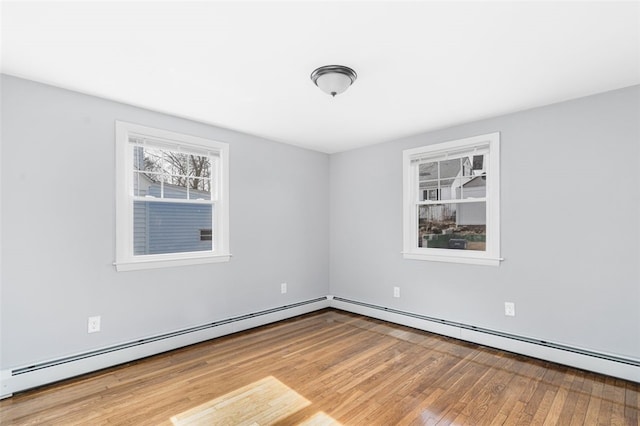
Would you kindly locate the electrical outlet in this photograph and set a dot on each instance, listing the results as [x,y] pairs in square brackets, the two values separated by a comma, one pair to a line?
[283,288]
[510,309]
[93,324]
[396,292]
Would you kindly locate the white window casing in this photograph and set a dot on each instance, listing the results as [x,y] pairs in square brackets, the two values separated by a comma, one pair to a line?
[129,136]
[486,145]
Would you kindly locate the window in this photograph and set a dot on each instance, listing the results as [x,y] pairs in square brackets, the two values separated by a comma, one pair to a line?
[452,201]
[171,199]
[206,235]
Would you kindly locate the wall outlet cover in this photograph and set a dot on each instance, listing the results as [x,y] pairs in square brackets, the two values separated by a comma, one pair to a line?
[93,324]
[510,309]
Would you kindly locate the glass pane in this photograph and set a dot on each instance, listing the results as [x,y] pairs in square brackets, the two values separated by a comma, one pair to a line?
[478,164]
[171,174]
[428,171]
[176,163]
[151,159]
[138,185]
[171,227]
[448,188]
[175,187]
[428,191]
[199,189]
[138,158]
[146,184]
[450,168]
[429,184]
[473,187]
[199,166]
[460,226]
[430,194]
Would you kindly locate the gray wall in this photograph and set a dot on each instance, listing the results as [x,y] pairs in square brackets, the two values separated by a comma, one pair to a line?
[570,228]
[58,229]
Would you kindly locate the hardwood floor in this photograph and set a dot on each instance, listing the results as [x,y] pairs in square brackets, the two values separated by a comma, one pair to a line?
[332,367]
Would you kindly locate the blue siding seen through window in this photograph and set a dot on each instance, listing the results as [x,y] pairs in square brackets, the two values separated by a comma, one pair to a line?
[162,227]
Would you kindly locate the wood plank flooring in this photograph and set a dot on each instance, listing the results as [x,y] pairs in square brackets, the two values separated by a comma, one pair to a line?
[330,368]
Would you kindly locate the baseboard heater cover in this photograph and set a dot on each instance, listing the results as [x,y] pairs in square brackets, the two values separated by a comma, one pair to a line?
[23,378]
[610,364]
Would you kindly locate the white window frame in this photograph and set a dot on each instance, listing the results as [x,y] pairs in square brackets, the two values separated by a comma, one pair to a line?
[491,256]
[125,258]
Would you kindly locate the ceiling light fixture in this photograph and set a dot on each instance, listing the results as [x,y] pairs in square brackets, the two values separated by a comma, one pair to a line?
[333,79]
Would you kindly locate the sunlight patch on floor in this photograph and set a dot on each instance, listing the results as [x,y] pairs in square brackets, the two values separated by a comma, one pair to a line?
[320,419]
[260,403]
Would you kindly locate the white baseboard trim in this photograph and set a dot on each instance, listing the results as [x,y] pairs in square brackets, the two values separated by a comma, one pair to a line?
[609,364]
[26,377]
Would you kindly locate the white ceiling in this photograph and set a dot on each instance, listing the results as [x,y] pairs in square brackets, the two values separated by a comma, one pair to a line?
[246,65]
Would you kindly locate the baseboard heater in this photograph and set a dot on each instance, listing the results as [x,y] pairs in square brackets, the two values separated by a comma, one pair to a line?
[30,376]
[23,378]
[610,364]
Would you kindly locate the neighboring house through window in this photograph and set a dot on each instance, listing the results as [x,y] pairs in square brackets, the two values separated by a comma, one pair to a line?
[452,201]
[171,199]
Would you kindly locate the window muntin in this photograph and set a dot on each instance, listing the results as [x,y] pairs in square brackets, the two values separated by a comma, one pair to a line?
[170,188]
[451,201]
[172,174]
[448,224]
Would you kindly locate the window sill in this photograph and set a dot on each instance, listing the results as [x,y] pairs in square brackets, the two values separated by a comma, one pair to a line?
[488,261]
[137,265]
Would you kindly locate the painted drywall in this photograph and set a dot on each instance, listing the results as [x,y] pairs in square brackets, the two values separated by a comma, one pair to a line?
[324,224]
[570,210]
[58,229]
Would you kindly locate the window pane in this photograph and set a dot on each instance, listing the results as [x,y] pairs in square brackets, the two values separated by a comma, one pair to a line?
[448,189]
[176,163]
[449,168]
[170,227]
[171,174]
[428,171]
[199,189]
[147,184]
[429,194]
[151,159]
[199,166]
[479,163]
[175,187]
[452,179]
[453,226]
[428,191]
[473,187]
[140,184]
[138,158]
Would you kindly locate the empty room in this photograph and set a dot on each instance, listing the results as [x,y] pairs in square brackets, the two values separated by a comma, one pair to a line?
[320,213]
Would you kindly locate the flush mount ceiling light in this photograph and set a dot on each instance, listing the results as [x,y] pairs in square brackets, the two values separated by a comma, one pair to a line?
[333,79]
